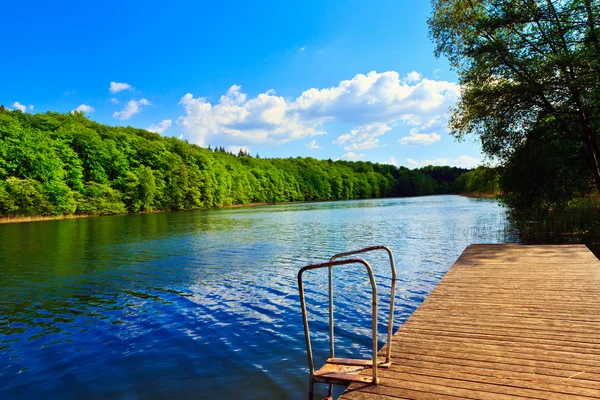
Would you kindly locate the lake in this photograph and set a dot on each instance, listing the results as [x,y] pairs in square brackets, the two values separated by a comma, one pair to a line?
[204,304]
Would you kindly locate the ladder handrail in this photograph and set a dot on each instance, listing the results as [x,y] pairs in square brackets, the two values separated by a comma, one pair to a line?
[330,265]
[392,297]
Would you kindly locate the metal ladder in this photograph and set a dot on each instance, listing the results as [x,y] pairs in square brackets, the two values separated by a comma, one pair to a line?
[344,371]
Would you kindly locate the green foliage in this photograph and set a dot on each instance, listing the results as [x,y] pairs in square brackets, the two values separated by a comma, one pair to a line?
[62,164]
[480,180]
[100,199]
[522,62]
[544,172]
[26,197]
[530,77]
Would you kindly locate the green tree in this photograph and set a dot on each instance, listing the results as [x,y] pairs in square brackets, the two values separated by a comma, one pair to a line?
[521,62]
[53,164]
[101,199]
[27,197]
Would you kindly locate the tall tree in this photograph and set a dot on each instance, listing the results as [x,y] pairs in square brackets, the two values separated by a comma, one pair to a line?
[523,64]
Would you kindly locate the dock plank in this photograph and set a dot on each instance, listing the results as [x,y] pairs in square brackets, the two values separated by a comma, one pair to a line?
[505,322]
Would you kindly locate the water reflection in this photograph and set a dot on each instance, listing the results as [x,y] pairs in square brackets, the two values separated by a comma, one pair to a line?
[204,304]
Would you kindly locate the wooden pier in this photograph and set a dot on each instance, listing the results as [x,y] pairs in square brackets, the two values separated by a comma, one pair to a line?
[505,322]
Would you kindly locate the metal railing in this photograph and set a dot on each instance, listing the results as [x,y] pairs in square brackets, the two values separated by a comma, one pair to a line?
[392,298]
[330,265]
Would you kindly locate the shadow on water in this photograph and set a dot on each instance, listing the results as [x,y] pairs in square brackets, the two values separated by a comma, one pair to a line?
[204,304]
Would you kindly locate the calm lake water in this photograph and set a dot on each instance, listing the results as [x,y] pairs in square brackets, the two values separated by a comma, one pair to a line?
[204,304]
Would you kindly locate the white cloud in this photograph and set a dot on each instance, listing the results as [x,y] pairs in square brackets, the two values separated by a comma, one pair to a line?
[366,145]
[352,156]
[364,137]
[374,98]
[461,161]
[467,162]
[411,77]
[131,108]
[84,108]
[392,161]
[427,133]
[30,107]
[114,101]
[420,139]
[119,86]
[342,139]
[313,145]
[19,106]
[160,127]
[302,48]
[418,164]
[266,118]
[437,73]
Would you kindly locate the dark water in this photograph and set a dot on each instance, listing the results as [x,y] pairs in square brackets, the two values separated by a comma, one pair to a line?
[204,304]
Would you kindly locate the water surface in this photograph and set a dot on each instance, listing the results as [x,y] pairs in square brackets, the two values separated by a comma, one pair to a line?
[204,304]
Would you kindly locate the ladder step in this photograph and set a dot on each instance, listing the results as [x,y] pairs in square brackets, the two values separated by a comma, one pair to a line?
[338,378]
[359,362]
[343,371]
[350,361]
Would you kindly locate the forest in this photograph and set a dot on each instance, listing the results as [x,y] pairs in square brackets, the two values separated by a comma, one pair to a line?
[54,164]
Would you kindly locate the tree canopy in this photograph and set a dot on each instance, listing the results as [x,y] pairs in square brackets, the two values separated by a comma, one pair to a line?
[525,66]
[61,164]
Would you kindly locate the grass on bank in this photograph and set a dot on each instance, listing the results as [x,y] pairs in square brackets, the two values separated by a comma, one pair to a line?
[577,219]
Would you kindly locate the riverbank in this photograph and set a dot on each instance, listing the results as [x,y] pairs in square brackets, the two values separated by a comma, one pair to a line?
[483,195]
[21,219]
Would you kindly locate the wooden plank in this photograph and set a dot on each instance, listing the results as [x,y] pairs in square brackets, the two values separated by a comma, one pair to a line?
[505,322]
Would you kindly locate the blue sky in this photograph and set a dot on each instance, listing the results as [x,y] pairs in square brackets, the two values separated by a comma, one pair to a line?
[351,80]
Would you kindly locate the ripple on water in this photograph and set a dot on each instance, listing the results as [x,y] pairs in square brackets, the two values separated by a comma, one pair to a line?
[205,304]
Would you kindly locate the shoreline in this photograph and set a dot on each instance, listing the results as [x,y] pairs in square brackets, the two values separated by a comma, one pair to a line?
[21,219]
[479,195]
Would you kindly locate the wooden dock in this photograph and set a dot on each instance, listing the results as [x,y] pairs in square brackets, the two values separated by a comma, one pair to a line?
[505,322]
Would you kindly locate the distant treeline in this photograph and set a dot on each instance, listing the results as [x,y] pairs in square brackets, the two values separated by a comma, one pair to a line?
[63,164]
[480,180]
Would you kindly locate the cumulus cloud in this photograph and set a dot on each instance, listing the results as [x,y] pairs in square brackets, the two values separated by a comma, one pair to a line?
[363,138]
[342,139]
[20,106]
[420,139]
[313,145]
[114,100]
[160,127]
[266,118]
[352,156]
[413,76]
[467,162]
[84,108]
[426,133]
[131,108]
[418,164]
[378,99]
[392,161]
[119,86]
[462,162]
